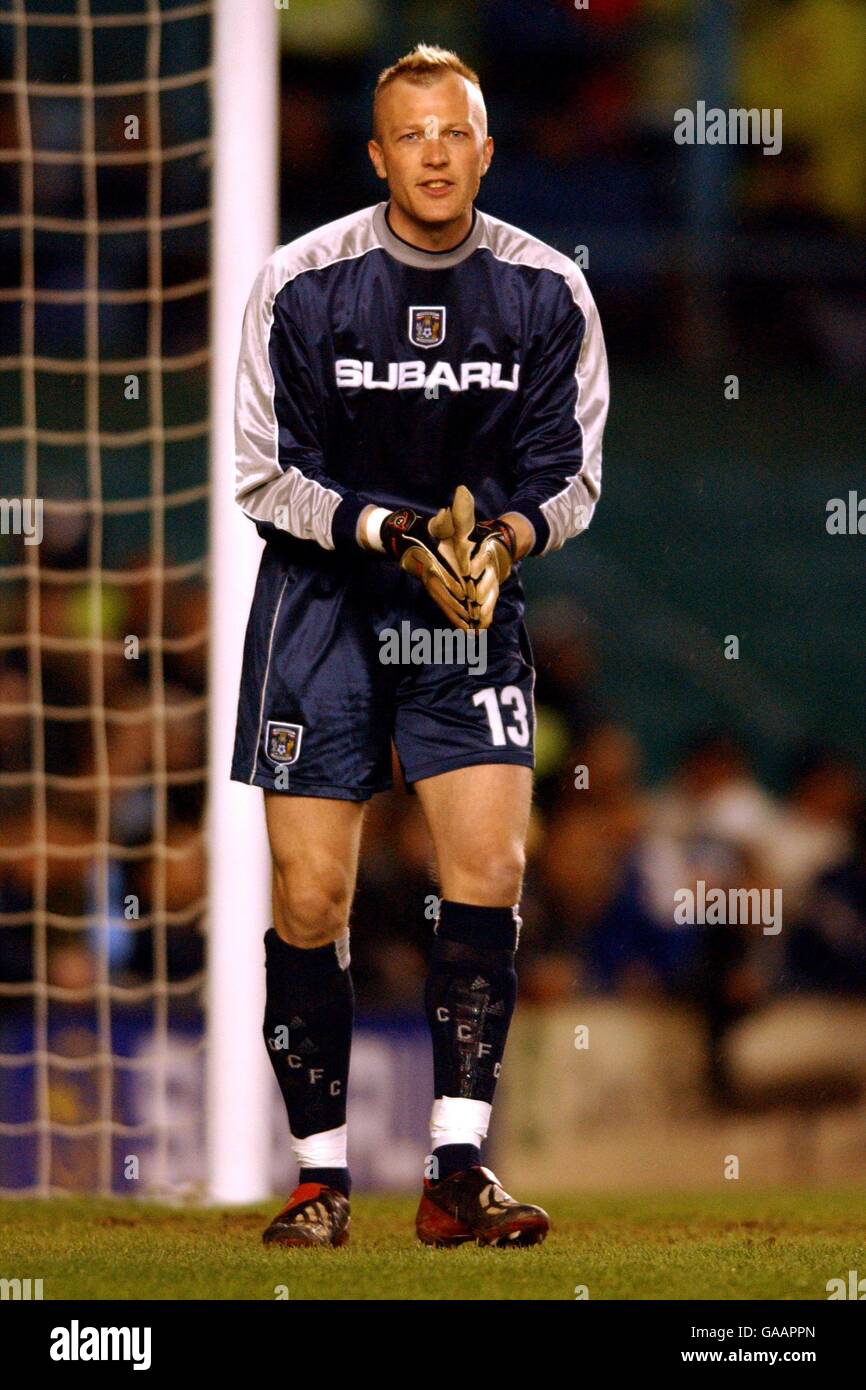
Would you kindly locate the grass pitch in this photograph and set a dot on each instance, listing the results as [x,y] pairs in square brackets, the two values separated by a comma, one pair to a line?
[731,1245]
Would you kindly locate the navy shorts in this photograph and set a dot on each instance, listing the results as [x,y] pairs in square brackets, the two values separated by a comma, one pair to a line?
[319,707]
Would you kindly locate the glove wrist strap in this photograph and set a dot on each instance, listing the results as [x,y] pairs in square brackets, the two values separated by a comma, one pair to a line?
[372,528]
[508,536]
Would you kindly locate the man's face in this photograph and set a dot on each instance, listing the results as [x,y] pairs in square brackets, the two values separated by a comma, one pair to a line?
[432,147]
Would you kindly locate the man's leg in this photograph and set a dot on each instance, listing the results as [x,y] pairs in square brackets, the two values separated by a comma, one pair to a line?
[308,1015]
[478,818]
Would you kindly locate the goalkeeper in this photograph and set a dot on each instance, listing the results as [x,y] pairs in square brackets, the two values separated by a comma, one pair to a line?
[421,396]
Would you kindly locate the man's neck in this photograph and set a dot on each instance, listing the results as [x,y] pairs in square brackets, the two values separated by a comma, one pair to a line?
[424,237]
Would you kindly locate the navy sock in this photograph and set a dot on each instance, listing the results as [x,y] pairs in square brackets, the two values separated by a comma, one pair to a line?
[454,1158]
[308,1032]
[328,1177]
[470,996]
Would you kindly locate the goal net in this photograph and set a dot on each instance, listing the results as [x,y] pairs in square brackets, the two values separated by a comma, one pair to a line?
[105,171]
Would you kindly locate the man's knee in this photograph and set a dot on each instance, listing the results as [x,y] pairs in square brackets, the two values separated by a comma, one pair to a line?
[311,903]
[493,875]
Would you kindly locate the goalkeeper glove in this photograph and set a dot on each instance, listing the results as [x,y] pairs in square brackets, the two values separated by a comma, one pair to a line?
[492,552]
[424,547]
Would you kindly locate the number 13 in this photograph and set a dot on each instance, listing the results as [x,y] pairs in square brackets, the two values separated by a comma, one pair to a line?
[511,697]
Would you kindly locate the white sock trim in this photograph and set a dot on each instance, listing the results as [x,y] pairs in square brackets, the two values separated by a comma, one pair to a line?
[457,1120]
[341,946]
[324,1150]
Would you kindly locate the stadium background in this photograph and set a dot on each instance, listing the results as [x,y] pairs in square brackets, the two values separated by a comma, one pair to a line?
[706,262]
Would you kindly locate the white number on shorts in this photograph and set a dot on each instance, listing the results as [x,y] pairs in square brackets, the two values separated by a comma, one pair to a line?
[511,698]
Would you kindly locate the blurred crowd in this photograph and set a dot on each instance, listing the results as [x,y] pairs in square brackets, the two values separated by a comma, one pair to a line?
[124,795]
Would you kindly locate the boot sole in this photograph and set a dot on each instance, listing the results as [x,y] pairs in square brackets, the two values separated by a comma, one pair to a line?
[293,1244]
[532,1231]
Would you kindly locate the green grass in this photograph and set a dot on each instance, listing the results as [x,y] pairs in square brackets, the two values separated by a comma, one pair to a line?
[732,1244]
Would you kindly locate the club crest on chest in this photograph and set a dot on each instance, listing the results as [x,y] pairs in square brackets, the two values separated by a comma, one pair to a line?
[427,325]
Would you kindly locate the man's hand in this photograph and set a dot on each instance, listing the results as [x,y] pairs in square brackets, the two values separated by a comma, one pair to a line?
[493,550]
[461,563]
[484,552]
[424,546]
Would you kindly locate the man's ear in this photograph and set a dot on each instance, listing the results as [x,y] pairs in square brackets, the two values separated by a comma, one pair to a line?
[488,154]
[374,150]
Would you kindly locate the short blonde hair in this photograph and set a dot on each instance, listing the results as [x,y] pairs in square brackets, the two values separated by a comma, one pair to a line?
[424,65]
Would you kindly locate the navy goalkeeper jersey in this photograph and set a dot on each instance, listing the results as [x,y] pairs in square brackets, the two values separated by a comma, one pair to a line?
[373,371]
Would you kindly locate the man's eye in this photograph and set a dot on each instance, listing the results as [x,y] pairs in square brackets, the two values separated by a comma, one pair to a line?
[458,134]
[410,135]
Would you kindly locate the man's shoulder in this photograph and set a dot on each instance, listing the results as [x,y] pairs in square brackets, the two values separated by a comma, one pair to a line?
[514,246]
[342,240]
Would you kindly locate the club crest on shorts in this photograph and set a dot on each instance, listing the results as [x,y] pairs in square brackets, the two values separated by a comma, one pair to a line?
[283,742]
[427,325]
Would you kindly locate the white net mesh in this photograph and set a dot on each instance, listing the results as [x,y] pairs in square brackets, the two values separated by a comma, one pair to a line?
[104,172]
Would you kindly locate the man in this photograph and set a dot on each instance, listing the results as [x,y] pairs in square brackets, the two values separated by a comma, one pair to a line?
[408,354]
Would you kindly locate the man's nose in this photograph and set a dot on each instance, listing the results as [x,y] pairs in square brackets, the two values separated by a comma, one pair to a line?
[435,151]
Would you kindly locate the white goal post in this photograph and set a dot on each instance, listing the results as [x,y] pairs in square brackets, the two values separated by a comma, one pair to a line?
[245,191]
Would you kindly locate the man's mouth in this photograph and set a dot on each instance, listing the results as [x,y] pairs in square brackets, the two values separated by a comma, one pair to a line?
[436,185]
